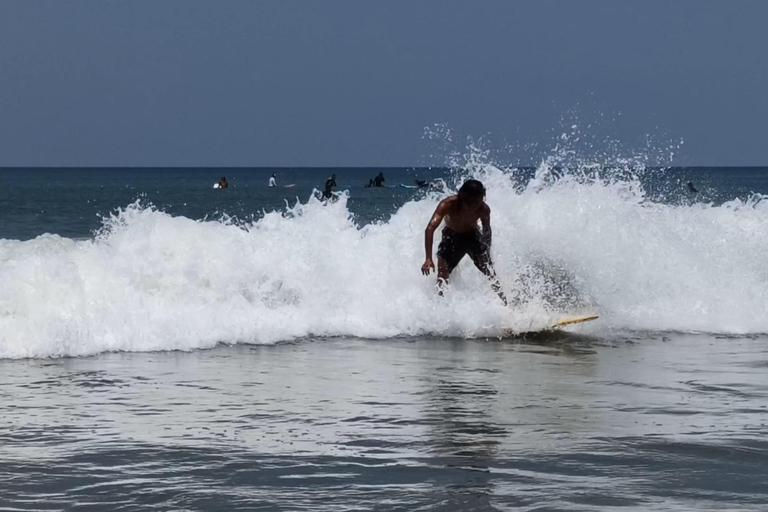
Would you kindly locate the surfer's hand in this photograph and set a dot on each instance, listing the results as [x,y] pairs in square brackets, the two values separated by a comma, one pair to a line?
[427,266]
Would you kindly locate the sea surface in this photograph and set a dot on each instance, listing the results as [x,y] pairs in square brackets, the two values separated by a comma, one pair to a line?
[168,346]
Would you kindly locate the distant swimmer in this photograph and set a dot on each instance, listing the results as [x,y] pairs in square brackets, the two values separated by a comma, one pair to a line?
[379,180]
[691,188]
[370,183]
[329,184]
[432,185]
[461,235]
[223,182]
[437,185]
[272,181]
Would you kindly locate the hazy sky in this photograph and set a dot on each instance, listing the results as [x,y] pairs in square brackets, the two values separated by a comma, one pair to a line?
[323,83]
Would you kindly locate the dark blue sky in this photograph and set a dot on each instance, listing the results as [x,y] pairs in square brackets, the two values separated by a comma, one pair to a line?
[315,83]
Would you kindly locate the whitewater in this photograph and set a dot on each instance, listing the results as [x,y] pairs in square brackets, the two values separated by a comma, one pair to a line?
[563,243]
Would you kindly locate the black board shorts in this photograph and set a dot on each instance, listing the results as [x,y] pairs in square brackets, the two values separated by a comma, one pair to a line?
[455,245]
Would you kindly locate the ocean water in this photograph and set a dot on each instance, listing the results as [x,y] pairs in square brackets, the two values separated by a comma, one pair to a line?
[165,345]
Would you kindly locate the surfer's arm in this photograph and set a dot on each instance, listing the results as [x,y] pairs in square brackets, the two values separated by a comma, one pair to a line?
[429,235]
[434,223]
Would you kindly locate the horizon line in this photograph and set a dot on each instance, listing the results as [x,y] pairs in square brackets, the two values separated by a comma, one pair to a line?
[242,167]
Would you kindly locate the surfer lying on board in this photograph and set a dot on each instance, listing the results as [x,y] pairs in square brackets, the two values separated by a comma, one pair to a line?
[461,235]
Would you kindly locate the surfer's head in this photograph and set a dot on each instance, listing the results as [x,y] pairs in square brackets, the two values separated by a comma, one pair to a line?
[471,193]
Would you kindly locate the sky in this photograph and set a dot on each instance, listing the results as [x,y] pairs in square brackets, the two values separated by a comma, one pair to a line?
[357,83]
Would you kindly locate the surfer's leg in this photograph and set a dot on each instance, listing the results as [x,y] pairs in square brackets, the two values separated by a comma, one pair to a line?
[449,254]
[443,271]
[482,261]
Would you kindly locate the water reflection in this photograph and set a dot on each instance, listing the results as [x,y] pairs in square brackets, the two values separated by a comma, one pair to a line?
[459,398]
[409,425]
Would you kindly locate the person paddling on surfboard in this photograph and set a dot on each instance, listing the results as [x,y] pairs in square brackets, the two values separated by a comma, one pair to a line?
[461,235]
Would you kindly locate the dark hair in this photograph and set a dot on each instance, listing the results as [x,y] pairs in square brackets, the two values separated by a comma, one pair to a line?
[471,189]
[223,178]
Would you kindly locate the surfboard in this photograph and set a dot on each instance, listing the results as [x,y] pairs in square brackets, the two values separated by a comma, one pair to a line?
[215,185]
[290,186]
[573,320]
[552,328]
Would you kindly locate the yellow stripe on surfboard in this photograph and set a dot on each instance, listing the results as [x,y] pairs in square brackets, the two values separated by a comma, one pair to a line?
[574,320]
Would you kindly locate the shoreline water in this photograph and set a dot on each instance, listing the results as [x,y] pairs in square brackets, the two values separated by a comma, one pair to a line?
[669,423]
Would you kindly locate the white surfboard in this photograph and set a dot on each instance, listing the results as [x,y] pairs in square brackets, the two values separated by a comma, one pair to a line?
[555,326]
[573,320]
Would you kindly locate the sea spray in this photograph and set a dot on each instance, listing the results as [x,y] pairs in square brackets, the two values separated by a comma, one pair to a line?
[573,240]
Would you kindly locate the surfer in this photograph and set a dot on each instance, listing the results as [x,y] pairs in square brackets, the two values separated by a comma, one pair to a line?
[223,182]
[461,235]
[691,188]
[272,181]
[329,184]
[379,180]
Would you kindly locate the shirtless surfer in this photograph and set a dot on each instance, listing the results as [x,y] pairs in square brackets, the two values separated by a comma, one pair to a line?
[461,235]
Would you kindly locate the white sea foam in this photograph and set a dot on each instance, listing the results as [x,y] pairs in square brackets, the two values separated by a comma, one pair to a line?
[577,243]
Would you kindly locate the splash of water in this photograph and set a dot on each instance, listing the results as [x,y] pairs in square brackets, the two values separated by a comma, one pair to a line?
[567,241]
